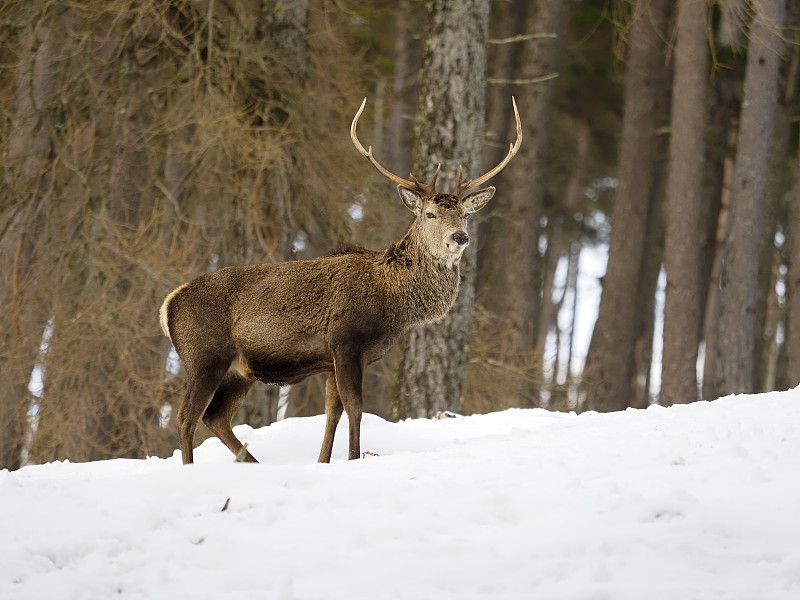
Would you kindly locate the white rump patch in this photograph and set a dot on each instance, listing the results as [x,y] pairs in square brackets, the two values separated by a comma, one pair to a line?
[163,311]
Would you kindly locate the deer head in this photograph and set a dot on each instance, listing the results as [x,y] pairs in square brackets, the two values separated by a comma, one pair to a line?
[441,217]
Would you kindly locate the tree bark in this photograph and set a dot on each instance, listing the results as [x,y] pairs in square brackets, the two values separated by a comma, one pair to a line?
[686,229]
[773,309]
[648,281]
[611,362]
[433,357]
[739,276]
[790,371]
[512,289]
[723,129]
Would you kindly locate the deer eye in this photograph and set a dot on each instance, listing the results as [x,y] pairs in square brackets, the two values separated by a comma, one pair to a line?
[430,215]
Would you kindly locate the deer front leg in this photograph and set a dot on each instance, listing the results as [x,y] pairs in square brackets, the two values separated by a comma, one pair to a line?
[333,411]
[348,381]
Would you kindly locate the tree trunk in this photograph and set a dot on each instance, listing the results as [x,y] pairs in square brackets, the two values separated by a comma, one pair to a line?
[779,187]
[22,326]
[512,289]
[611,362]
[433,357]
[790,371]
[723,130]
[768,311]
[739,276]
[683,260]
[648,283]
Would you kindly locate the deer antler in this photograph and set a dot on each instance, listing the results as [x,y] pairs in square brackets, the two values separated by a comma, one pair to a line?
[461,188]
[427,189]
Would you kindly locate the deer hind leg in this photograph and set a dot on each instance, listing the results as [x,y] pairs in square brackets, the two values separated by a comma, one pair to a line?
[333,412]
[201,389]
[219,413]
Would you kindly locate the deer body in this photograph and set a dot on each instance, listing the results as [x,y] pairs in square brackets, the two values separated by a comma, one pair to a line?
[278,322]
[281,322]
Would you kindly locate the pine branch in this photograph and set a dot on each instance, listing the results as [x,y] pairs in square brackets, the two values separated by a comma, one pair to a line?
[522,38]
[497,81]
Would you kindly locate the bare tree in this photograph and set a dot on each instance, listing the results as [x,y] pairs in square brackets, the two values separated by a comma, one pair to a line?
[790,373]
[683,258]
[788,366]
[771,313]
[741,260]
[451,105]
[512,290]
[610,371]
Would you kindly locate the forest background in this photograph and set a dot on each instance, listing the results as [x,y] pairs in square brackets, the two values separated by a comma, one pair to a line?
[145,143]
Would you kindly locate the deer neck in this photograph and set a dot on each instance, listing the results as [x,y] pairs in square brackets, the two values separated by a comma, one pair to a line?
[423,287]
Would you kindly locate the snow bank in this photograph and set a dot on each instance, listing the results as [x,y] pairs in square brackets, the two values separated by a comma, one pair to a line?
[698,501]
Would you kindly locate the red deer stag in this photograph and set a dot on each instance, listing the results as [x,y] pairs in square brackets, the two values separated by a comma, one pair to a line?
[281,322]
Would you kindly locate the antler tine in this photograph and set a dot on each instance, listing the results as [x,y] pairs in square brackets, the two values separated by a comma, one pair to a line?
[461,188]
[428,188]
[371,159]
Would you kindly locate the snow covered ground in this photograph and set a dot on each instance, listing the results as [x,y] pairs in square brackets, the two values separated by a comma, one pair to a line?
[689,502]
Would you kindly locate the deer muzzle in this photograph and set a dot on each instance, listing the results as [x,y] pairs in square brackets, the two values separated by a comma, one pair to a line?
[461,238]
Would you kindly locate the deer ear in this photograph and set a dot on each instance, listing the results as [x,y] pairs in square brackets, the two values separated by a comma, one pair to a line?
[477,200]
[411,198]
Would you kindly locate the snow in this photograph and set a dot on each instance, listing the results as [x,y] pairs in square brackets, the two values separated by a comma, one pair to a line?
[700,501]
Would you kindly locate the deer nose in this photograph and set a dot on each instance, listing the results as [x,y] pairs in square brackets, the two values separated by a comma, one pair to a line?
[461,238]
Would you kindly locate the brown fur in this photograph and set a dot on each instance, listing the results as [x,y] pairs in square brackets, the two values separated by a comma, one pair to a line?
[281,322]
